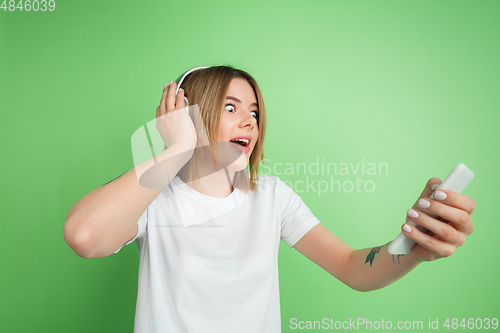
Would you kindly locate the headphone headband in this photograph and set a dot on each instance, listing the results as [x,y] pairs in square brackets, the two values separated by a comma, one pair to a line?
[181,78]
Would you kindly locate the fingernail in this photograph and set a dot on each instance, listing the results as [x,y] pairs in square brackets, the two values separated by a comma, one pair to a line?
[171,82]
[422,203]
[439,195]
[412,213]
[434,187]
[166,85]
[406,228]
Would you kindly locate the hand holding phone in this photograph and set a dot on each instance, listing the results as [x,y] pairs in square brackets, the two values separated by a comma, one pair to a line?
[456,181]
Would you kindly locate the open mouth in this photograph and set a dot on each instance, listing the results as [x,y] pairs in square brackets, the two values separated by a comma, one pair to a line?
[241,142]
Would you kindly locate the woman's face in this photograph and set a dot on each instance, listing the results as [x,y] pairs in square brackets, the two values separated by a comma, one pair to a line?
[238,123]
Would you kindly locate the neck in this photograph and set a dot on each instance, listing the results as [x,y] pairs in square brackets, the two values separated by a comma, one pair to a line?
[218,184]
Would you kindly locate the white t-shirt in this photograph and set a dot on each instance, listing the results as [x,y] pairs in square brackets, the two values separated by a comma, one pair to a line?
[219,272]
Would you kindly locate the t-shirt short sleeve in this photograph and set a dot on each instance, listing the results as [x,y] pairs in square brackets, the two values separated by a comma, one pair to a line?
[141,223]
[296,217]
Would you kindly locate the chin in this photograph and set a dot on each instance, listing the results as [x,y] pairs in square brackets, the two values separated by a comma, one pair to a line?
[240,164]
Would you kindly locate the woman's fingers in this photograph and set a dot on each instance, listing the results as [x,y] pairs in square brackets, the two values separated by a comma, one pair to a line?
[161,110]
[440,247]
[457,200]
[180,103]
[446,218]
[170,103]
[444,231]
[452,207]
[428,190]
[447,205]
[174,127]
[443,238]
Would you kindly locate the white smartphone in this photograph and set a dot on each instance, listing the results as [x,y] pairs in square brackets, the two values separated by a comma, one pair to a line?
[456,181]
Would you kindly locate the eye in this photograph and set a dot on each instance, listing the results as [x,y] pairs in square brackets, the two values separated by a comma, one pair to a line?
[230,108]
[255,114]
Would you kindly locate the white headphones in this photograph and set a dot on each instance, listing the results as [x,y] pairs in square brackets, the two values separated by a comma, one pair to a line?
[181,78]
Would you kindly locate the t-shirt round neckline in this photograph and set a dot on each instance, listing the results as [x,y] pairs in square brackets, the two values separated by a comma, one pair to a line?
[236,196]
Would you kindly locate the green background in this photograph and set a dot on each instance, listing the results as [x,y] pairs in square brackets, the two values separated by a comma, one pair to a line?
[414,84]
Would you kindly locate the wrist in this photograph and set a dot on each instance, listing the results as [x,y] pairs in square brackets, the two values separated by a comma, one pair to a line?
[183,149]
[415,259]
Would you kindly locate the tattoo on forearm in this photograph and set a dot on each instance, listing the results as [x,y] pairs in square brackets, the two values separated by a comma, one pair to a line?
[397,256]
[373,252]
[371,256]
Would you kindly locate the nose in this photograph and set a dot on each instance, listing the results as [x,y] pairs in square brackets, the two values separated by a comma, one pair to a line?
[248,120]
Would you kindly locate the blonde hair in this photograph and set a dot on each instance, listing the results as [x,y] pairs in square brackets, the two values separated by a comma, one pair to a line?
[208,88]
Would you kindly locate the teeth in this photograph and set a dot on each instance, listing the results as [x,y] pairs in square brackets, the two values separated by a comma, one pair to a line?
[245,141]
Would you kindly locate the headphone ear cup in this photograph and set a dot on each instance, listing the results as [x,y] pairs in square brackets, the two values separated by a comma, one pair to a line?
[181,78]
[179,82]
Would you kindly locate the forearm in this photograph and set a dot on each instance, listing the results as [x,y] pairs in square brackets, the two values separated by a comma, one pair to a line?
[99,222]
[374,268]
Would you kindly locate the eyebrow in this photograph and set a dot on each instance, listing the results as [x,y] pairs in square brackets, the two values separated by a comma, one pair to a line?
[237,100]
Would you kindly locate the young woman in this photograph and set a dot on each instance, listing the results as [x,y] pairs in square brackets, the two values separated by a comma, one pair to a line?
[208,240]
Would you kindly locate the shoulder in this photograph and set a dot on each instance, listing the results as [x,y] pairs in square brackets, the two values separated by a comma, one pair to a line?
[270,183]
[267,180]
